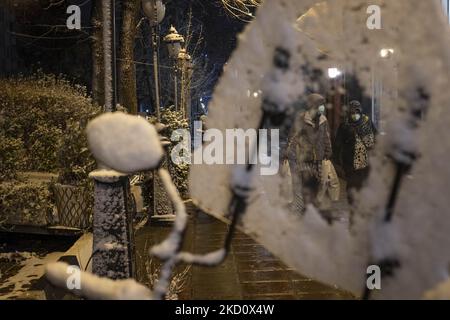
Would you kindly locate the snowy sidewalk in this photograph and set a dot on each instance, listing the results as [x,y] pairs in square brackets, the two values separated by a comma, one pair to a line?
[22,262]
[249,272]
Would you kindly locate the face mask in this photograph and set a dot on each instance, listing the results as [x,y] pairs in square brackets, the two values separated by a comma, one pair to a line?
[312,113]
[356,117]
[321,109]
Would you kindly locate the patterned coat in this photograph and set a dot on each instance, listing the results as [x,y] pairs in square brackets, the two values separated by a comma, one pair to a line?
[353,143]
[311,142]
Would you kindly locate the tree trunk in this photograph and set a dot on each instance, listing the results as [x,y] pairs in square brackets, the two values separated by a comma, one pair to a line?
[98,89]
[127,74]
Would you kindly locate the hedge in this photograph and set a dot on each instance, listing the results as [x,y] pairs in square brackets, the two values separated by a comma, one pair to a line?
[46,115]
[12,157]
[173,120]
[25,203]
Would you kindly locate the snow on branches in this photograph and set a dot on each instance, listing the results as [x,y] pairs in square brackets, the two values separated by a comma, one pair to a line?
[241,9]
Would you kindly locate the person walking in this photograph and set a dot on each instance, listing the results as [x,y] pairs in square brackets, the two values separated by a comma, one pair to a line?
[354,139]
[309,145]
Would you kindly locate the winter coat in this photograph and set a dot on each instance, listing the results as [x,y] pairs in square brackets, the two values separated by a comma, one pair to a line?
[311,142]
[353,143]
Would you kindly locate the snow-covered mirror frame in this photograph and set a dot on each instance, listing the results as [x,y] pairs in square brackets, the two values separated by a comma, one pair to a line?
[401,229]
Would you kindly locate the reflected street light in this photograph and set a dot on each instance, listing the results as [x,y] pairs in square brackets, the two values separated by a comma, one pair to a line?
[386,52]
[333,73]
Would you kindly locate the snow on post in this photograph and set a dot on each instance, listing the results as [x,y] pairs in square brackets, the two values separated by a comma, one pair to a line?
[128,144]
[112,255]
[124,142]
[94,287]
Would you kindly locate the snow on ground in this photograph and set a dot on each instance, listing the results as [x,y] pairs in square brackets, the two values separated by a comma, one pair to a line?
[16,257]
[33,268]
[32,265]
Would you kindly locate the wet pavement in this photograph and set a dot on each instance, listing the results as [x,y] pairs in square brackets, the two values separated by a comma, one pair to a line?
[249,272]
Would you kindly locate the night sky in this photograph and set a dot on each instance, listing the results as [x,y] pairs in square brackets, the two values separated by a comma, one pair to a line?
[68,52]
[221,29]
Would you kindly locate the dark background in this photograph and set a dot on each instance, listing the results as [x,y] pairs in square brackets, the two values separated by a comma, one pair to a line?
[34,37]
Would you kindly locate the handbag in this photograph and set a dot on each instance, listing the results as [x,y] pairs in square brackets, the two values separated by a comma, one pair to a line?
[286,185]
[329,182]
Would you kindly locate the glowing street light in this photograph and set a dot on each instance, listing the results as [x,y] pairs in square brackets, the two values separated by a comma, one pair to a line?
[386,52]
[333,73]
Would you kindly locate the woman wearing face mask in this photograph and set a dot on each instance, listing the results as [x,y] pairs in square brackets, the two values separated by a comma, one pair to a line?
[354,139]
[309,145]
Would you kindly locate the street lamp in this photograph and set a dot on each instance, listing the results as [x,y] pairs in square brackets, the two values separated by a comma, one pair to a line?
[174,41]
[152,8]
[155,12]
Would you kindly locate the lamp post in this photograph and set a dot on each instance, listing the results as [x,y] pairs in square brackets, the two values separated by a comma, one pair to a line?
[185,62]
[114,53]
[155,12]
[174,42]
[108,53]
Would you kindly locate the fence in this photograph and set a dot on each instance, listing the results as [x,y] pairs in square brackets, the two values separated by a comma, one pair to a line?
[74,205]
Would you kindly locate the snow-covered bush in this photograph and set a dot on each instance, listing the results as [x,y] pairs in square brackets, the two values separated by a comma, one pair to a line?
[25,203]
[42,122]
[74,158]
[40,111]
[44,143]
[11,157]
[173,120]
